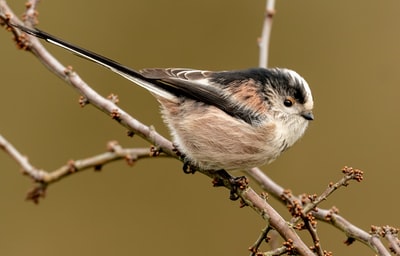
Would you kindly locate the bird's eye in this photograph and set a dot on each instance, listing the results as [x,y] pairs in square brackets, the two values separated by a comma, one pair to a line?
[288,102]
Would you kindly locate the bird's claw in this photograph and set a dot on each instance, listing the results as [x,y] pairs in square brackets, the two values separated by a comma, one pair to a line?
[237,183]
[234,183]
[188,168]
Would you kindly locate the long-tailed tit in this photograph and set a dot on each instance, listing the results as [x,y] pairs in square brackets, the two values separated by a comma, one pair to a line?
[220,120]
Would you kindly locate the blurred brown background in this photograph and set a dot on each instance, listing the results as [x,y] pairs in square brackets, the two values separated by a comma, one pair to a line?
[347,50]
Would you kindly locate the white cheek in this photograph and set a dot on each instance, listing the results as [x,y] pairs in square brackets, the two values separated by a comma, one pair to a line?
[291,128]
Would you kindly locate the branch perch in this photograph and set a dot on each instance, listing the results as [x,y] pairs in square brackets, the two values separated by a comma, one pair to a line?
[305,208]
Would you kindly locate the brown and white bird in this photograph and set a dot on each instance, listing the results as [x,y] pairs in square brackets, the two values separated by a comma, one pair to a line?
[220,120]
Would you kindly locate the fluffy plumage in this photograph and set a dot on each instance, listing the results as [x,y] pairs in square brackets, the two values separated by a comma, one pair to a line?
[251,126]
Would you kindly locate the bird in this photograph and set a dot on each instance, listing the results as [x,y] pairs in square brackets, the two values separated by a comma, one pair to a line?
[219,120]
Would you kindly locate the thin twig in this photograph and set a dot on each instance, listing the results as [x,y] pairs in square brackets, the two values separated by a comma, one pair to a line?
[31,12]
[276,252]
[350,174]
[264,40]
[254,249]
[390,234]
[260,205]
[295,206]
[22,160]
[329,216]
[43,178]
[302,209]
[310,225]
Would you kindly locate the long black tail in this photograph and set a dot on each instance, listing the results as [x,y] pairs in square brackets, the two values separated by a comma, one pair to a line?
[97,58]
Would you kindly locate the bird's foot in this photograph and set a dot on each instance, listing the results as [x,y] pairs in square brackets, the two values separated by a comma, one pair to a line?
[188,167]
[233,183]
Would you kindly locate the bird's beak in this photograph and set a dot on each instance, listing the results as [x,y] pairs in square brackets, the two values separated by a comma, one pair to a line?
[308,115]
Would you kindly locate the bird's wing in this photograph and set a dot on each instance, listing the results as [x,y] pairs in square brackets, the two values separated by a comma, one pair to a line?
[238,93]
[194,84]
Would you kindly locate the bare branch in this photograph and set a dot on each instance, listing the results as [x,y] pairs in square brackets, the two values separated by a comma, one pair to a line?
[263,41]
[350,174]
[21,160]
[268,213]
[307,203]
[329,216]
[31,12]
[391,235]
[254,249]
[353,232]
[278,251]
[295,207]
[44,178]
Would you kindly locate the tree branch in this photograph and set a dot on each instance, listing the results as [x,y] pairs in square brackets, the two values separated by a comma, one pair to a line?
[306,210]
[329,216]
[44,178]
[263,41]
[391,234]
